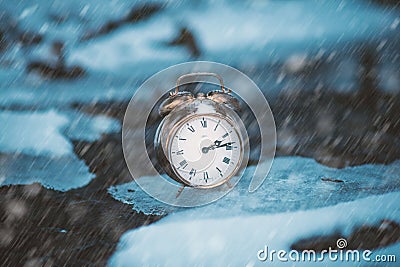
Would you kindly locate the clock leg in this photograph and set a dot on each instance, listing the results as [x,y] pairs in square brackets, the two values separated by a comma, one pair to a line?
[180,191]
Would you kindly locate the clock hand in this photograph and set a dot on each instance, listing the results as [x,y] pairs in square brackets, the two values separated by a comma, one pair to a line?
[218,144]
[207,148]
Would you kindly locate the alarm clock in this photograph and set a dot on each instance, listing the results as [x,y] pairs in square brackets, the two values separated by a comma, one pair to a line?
[201,141]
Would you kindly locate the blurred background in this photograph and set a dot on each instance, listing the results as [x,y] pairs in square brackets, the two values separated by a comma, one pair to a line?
[113,45]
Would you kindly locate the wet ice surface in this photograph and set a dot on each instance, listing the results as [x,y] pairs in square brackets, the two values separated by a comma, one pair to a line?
[58,173]
[294,183]
[189,238]
[36,146]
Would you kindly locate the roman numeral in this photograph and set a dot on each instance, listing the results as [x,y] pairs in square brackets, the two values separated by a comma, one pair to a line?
[183,164]
[192,173]
[190,127]
[225,135]
[180,152]
[203,123]
[226,160]
[182,139]
[228,147]
[220,172]
[205,176]
[216,126]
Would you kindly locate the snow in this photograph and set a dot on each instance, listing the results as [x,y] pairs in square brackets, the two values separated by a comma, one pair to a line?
[252,36]
[35,146]
[59,173]
[90,128]
[293,183]
[126,47]
[224,31]
[32,91]
[42,132]
[37,133]
[187,239]
[293,203]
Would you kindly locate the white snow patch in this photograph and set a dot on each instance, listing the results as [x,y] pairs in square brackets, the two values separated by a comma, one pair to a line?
[34,133]
[90,128]
[103,124]
[184,239]
[58,173]
[47,133]
[296,63]
[144,43]
[35,146]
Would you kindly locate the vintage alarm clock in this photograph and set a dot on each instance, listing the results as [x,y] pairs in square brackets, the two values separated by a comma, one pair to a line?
[201,141]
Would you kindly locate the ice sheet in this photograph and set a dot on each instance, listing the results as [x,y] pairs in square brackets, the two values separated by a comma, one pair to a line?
[60,173]
[36,133]
[35,146]
[294,183]
[187,239]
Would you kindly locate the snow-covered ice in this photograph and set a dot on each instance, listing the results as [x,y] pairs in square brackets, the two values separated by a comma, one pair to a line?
[34,133]
[90,128]
[293,183]
[60,173]
[36,146]
[188,239]
[293,203]
[48,132]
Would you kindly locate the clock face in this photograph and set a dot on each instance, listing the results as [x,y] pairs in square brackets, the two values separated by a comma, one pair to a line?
[205,150]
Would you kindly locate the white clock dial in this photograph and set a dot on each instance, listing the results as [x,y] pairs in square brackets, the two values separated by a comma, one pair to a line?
[205,150]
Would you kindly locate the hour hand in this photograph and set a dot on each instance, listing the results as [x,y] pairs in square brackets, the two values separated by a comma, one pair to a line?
[218,144]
